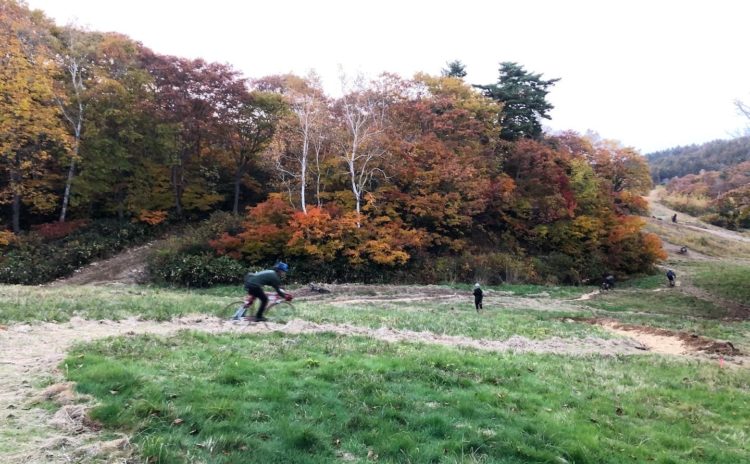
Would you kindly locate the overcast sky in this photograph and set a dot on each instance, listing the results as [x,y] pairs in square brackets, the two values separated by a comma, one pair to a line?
[652,74]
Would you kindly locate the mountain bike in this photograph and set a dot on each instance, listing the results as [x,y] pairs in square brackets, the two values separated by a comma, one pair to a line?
[278,309]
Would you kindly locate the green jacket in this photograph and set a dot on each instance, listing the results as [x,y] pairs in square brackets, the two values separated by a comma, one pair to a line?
[268,277]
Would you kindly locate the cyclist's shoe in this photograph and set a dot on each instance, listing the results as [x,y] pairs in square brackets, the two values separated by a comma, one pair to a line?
[259,319]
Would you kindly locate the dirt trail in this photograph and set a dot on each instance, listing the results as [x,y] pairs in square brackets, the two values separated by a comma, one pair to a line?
[587,296]
[664,213]
[128,267]
[31,353]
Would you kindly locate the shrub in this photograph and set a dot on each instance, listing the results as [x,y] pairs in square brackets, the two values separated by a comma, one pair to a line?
[718,220]
[201,270]
[559,268]
[693,205]
[56,230]
[7,237]
[36,258]
[152,217]
[188,259]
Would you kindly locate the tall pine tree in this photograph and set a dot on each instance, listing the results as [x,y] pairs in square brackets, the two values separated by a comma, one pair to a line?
[524,98]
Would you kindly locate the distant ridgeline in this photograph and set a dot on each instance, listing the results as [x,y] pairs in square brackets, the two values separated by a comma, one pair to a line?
[712,156]
[711,181]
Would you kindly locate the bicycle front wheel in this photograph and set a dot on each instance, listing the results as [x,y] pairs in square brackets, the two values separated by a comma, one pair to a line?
[283,311]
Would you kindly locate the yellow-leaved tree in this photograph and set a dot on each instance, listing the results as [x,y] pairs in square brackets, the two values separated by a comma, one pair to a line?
[31,131]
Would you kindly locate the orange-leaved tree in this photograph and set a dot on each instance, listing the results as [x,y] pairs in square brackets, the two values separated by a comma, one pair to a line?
[441,141]
[265,233]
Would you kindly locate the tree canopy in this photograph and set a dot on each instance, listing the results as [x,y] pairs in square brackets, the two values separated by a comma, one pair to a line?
[393,174]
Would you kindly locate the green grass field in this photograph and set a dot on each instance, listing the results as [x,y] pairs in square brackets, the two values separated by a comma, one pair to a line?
[307,399]
[727,280]
[273,397]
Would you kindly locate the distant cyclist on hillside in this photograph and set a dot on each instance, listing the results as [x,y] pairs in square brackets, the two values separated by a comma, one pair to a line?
[672,277]
[272,277]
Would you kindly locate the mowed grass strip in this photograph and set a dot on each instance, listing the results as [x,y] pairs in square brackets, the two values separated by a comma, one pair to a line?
[666,301]
[497,321]
[59,304]
[321,399]
[454,316]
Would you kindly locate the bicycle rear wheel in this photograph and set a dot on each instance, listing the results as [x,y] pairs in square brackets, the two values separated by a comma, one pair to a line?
[283,311]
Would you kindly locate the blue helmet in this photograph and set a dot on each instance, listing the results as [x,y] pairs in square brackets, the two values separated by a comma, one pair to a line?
[281,266]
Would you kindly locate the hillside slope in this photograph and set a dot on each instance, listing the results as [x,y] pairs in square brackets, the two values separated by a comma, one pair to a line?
[711,156]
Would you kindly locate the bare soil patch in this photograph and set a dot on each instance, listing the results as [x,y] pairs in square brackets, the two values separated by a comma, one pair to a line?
[666,341]
[588,296]
[128,267]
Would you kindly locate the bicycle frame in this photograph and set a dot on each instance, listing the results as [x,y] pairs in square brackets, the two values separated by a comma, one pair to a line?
[273,300]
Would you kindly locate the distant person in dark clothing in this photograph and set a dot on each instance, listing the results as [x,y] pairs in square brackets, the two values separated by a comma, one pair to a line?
[272,277]
[674,218]
[608,281]
[672,277]
[478,295]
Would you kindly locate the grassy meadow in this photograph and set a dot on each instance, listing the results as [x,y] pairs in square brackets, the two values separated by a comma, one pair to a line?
[726,280]
[308,399]
[272,397]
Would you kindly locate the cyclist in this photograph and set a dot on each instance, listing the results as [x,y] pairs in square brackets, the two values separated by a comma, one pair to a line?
[608,281]
[671,276]
[272,277]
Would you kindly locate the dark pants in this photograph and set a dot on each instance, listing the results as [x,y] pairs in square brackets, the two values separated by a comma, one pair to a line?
[258,292]
[478,302]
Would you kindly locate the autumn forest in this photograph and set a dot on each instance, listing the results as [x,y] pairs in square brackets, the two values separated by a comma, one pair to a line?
[418,179]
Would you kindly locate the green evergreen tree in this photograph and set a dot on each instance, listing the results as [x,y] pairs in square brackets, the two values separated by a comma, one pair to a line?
[523,95]
[455,69]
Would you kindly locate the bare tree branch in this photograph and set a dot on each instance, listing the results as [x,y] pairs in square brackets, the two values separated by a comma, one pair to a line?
[363,110]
